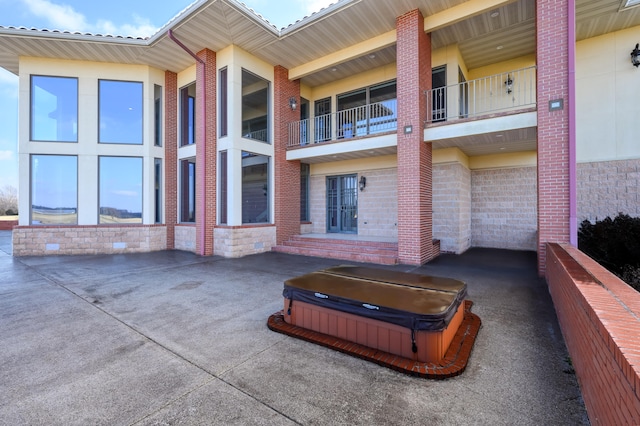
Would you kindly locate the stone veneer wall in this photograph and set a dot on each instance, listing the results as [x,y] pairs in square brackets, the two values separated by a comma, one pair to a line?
[185,237]
[88,239]
[377,204]
[607,188]
[452,207]
[504,208]
[238,241]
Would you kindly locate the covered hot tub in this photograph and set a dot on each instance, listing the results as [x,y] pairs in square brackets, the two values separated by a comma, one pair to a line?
[409,315]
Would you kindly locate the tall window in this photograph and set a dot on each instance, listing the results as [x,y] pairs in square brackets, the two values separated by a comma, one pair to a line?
[157,184]
[255,107]
[367,111]
[120,189]
[157,115]
[188,115]
[188,190]
[304,192]
[255,188]
[439,93]
[223,187]
[120,112]
[224,100]
[54,109]
[54,190]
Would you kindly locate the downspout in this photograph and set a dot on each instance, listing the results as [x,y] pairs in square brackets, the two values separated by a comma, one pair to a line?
[203,131]
[573,196]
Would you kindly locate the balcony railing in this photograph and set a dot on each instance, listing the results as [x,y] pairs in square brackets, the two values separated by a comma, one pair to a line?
[360,121]
[506,92]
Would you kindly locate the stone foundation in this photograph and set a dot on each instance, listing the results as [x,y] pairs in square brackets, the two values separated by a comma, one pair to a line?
[88,239]
[238,241]
[185,237]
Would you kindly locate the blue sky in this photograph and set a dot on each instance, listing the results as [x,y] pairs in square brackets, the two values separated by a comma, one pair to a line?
[117,17]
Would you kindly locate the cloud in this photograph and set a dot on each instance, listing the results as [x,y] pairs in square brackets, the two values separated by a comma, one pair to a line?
[6,155]
[126,193]
[315,5]
[64,17]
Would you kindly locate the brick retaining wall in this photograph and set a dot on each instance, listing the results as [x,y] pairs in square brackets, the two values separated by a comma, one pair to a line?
[600,319]
[7,225]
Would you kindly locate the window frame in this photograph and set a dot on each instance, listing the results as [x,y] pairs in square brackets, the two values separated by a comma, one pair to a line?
[31,189]
[100,157]
[31,108]
[100,98]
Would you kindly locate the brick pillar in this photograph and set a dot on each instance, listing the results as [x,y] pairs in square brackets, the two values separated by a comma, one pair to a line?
[553,126]
[170,156]
[415,216]
[286,173]
[206,151]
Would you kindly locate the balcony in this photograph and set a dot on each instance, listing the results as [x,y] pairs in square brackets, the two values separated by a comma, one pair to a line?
[365,120]
[498,94]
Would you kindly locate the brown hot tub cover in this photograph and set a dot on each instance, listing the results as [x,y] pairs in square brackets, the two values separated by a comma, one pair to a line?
[417,302]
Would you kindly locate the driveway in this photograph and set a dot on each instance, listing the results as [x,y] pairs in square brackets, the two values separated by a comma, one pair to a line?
[173,338]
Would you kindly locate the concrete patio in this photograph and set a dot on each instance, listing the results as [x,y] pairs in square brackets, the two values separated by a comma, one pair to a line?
[173,338]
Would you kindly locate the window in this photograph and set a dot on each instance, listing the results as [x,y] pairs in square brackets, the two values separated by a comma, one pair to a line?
[120,112]
[157,178]
[188,115]
[223,187]
[367,111]
[157,115]
[439,94]
[304,192]
[224,100]
[54,190]
[255,107]
[188,190]
[120,190]
[54,109]
[255,188]
[322,120]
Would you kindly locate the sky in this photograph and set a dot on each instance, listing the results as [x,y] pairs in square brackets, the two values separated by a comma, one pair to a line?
[117,17]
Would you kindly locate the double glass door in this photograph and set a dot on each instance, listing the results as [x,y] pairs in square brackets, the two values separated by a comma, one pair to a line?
[342,204]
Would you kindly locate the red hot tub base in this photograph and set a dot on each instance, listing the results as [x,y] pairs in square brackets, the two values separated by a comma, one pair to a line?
[412,323]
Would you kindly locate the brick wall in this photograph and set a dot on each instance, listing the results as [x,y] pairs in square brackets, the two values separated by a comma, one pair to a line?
[452,207]
[504,208]
[238,241]
[206,151]
[378,204]
[553,126]
[608,188]
[7,225]
[88,239]
[170,166]
[185,238]
[599,317]
[415,222]
[286,173]
[318,204]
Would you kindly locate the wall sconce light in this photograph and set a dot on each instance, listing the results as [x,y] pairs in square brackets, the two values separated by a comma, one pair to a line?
[509,84]
[635,56]
[363,183]
[293,103]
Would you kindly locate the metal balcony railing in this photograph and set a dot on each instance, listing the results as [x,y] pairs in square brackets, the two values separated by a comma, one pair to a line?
[506,92]
[360,121]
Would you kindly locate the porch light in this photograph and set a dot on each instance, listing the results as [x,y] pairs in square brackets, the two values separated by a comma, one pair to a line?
[509,84]
[635,56]
[363,183]
[293,103]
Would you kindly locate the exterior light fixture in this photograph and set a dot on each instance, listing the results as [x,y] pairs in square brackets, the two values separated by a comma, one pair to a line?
[635,56]
[509,84]
[363,183]
[293,103]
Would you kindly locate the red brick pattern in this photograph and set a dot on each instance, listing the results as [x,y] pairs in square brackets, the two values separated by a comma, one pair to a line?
[600,320]
[286,173]
[553,126]
[453,364]
[415,216]
[7,225]
[170,155]
[206,151]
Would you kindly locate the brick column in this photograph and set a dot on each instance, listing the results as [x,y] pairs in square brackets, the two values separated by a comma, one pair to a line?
[415,217]
[206,151]
[286,173]
[170,155]
[553,126]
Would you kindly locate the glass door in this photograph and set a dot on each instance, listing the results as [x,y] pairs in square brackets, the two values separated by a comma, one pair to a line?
[342,204]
